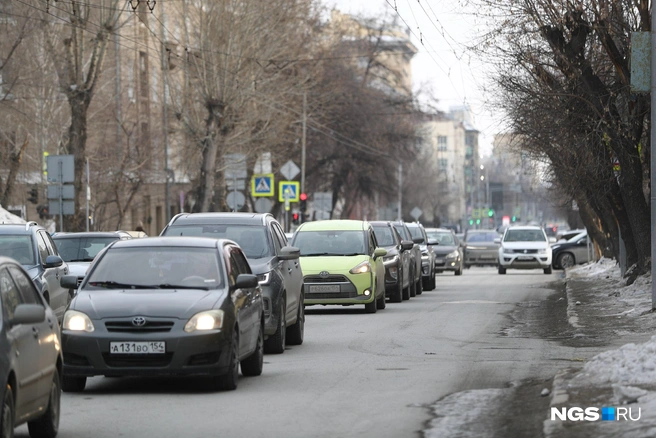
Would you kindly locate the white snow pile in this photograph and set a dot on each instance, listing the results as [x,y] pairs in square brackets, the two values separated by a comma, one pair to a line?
[605,267]
[9,218]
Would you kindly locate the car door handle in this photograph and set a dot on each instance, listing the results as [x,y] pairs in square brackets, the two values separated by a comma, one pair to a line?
[50,322]
[35,332]
[289,270]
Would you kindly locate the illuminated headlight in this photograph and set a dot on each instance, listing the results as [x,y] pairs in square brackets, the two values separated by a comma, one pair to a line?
[452,255]
[390,259]
[366,293]
[77,322]
[207,320]
[362,268]
[264,278]
[508,251]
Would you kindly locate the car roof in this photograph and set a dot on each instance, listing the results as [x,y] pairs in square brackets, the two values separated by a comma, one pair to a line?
[481,231]
[221,217]
[379,223]
[82,234]
[524,227]
[441,230]
[334,224]
[198,242]
[19,228]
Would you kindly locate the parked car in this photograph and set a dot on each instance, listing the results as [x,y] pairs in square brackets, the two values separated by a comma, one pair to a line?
[79,249]
[30,356]
[271,258]
[342,263]
[165,306]
[447,249]
[397,262]
[572,252]
[567,235]
[481,248]
[524,247]
[403,230]
[427,255]
[31,246]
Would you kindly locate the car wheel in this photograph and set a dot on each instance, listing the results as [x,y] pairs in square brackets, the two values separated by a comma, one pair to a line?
[371,307]
[420,287]
[228,381]
[295,332]
[458,271]
[406,291]
[47,425]
[73,383]
[433,284]
[398,295]
[547,270]
[502,270]
[252,365]
[8,413]
[566,260]
[275,344]
[380,302]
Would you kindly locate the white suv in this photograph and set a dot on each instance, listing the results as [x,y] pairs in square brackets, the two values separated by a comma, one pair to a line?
[524,247]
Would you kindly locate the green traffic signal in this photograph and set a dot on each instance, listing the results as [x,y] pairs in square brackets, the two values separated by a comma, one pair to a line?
[471,221]
[478,221]
[490,213]
[514,218]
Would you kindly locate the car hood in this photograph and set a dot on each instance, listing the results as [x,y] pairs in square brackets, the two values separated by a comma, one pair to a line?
[33,271]
[482,245]
[314,265]
[444,249]
[525,245]
[158,303]
[391,250]
[78,268]
[260,266]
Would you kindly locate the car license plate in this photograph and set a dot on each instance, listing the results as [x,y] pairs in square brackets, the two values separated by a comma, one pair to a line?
[325,288]
[525,258]
[154,347]
[439,260]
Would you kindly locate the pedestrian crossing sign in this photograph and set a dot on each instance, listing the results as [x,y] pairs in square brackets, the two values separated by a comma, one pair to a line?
[262,185]
[289,188]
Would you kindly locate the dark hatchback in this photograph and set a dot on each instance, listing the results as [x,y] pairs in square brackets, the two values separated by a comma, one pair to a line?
[165,306]
[397,262]
[271,258]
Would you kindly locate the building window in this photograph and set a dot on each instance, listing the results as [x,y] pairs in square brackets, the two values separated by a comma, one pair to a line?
[441,142]
[143,74]
[443,163]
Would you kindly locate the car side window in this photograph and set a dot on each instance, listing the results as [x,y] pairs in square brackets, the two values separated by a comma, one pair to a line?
[279,237]
[43,248]
[52,248]
[373,243]
[25,285]
[231,265]
[11,297]
[397,236]
[240,260]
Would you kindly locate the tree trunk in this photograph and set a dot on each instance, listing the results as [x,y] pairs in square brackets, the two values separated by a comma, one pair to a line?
[76,146]
[204,191]
[15,161]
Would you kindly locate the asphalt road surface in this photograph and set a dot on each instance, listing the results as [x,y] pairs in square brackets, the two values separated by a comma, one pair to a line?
[356,374]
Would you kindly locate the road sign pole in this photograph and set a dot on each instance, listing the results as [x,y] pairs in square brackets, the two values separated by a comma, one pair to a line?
[303,142]
[61,195]
[653,158]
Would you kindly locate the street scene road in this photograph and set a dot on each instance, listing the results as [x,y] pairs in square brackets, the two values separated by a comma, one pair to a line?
[355,375]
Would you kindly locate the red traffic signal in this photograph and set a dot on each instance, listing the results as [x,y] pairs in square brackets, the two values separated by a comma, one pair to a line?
[295,218]
[303,197]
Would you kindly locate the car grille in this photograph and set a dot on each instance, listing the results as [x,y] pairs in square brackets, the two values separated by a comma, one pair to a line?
[525,251]
[148,327]
[137,360]
[333,278]
[331,295]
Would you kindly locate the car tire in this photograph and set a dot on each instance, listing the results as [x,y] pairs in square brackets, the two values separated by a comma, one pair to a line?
[433,284]
[253,364]
[7,413]
[502,270]
[296,331]
[47,425]
[458,271]
[381,303]
[547,270]
[420,287]
[371,307]
[228,381]
[73,383]
[275,344]
[413,287]
[406,291]
[397,296]
[566,260]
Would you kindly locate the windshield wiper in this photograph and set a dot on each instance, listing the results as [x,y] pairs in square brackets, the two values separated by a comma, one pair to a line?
[116,285]
[79,260]
[175,286]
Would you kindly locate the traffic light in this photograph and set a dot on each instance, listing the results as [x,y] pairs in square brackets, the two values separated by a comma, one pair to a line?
[514,218]
[303,204]
[43,211]
[490,213]
[295,218]
[33,195]
[478,221]
[471,221]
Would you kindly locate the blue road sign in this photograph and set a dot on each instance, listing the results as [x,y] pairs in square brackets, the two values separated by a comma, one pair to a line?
[291,188]
[262,185]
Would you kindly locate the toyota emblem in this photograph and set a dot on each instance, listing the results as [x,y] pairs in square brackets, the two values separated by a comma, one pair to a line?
[139,321]
[324,274]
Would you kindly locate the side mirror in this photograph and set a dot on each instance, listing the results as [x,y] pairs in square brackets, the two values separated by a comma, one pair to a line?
[379,252]
[289,253]
[407,245]
[68,282]
[28,314]
[246,281]
[418,240]
[53,261]
[497,240]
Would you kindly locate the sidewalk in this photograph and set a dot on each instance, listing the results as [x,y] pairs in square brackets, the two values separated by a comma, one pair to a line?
[617,320]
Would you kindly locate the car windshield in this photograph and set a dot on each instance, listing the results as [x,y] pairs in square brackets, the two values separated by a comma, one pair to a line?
[402,231]
[330,243]
[415,232]
[482,237]
[252,238]
[157,267]
[81,249]
[384,236]
[18,247]
[524,236]
[441,238]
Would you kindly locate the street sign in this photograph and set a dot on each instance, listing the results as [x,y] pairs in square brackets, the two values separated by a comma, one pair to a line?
[262,185]
[476,213]
[263,164]
[289,170]
[236,184]
[61,168]
[68,207]
[263,205]
[67,191]
[235,166]
[289,190]
[322,201]
[235,200]
[416,213]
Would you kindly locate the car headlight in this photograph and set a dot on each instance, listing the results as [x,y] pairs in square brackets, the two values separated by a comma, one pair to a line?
[77,322]
[207,320]
[264,278]
[362,268]
[542,251]
[390,259]
[508,251]
[452,255]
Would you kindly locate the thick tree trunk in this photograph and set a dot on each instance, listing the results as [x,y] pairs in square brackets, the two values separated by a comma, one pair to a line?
[14,165]
[204,191]
[76,146]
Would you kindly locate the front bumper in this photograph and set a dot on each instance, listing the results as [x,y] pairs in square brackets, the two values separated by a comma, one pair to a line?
[392,277]
[271,296]
[482,257]
[443,263]
[199,353]
[426,264]
[525,261]
[339,288]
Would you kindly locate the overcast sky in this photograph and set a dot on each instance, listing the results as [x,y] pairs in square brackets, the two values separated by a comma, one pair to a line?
[440,30]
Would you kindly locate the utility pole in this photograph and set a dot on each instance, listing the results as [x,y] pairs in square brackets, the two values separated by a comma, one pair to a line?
[303,142]
[653,158]
[165,119]
[399,215]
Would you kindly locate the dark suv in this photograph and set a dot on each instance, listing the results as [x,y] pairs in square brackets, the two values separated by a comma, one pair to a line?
[398,261]
[415,270]
[427,255]
[31,246]
[275,262]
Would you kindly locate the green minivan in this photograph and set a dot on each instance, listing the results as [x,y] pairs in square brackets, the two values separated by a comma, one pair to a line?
[341,263]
